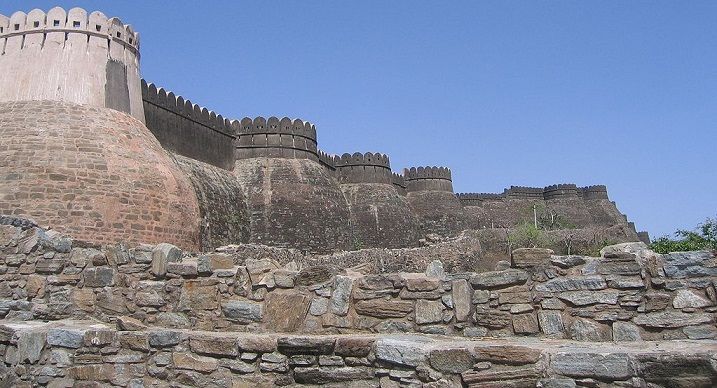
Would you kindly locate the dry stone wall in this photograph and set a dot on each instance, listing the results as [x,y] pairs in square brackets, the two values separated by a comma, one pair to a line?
[628,294]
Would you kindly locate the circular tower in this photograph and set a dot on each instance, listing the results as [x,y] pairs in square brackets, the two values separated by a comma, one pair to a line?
[76,153]
[380,216]
[293,199]
[430,194]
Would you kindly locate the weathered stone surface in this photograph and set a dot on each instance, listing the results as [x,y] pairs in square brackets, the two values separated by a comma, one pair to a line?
[557,383]
[461,293]
[198,295]
[256,344]
[422,283]
[29,347]
[66,337]
[625,331]
[655,301]
[567,261]
[164,338]
[700,332]
[689,299]
[499,279]
[531,257]
[339,302]
[573,283]
[286,310]
[305,345]
[129,324]
[492,319]
[99,277]
[214,345]
[149,299]
[584,298]
[353,346]
[243,311]
[614,366]
[507,354]
[161,255]
[193,362]
[551,323]
[429,311]
[381,308]
[314,275]
[323,375]
[185,268]
[517,377]
[455,360]
[319,306]
[173,320]
[583,329]
[671,319]
[408,351]
[435,270]
[682,265]
[525,324]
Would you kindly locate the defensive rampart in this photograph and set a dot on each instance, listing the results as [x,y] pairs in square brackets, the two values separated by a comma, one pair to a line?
[188,129]
[363,168]
[275,138]
[72,57]
[428,179]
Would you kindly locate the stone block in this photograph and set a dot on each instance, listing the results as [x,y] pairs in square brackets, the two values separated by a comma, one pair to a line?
[573,283]
[126,323]
[429,311]
[689,299]
[585,298]
[499,279]
[381,308]
[243,311]
[455,360]
[614,366]
[256,344]
[525,324]
[401,351]
[214,345]
[492,319]
[161,255]
[551,323]
[66,337]
[325,375]
[625,331]
[671,319]
[353,346]
[507,354]
[164,338]
[461,293]
[341,295]
[286,311]
[193,362]
[198,295]
[305,345]
[422,283]
[583,329]
[99,277]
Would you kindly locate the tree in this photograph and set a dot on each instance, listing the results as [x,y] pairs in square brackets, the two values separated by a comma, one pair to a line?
[702,237]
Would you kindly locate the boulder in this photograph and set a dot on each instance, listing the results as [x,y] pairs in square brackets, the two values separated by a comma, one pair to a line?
[531,257]
[499,279]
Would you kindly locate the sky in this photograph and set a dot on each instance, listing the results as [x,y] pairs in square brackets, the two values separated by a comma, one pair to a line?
[525,93]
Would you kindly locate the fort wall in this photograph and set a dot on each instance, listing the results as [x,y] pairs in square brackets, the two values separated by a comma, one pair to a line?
[187,128]
[363,168]
[275,138]
[428,179]
[70,56]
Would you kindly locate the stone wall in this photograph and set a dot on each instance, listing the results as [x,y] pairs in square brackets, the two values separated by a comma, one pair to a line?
[188,129]
[85,353]
[630,293]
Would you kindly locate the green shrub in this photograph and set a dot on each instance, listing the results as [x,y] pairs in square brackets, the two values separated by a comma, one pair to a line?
[703,237]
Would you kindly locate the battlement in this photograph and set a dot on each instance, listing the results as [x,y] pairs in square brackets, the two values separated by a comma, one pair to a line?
[187,128]
[429,178]
[558,191]
[99,67]
[566,190]
[275,138]
[58,25]
[593,192]
[363,168]
[170,102]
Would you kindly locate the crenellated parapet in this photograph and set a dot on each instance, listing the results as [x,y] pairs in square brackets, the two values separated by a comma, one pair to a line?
[428,178]
[593,192]
[70,56]
[275,138]
[399,182]
[177,105]
[363,168]
[558,191]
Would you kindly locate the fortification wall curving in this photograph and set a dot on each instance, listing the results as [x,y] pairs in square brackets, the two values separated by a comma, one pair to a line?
[380,217]
[399,182]
[294,203]
[96,173]
[222,205]
[363,168]
[275,138]
[428,179]
[70,56]
[188,129]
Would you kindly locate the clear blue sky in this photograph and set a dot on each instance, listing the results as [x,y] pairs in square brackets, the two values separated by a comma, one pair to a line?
[503,92]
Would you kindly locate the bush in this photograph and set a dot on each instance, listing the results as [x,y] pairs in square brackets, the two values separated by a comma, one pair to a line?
[528,236]
[703,237]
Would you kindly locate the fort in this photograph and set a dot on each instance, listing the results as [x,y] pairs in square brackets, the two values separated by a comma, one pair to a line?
[146,240]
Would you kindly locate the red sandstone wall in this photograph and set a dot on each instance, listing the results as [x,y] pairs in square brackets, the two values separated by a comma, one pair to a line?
[94,173]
